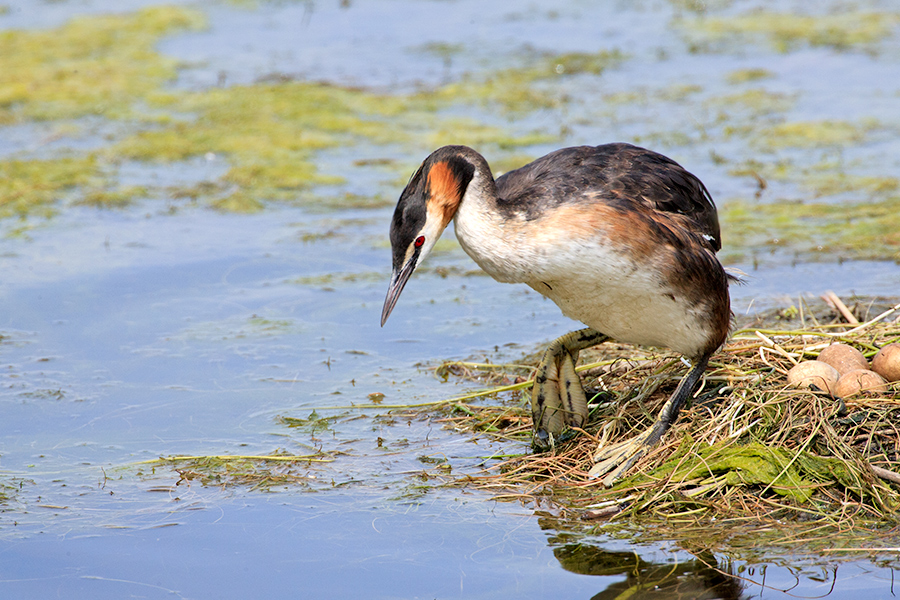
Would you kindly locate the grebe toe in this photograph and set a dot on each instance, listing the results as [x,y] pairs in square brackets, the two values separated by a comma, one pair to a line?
[558,401]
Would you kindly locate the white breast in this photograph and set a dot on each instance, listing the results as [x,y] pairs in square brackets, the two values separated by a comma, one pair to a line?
[631,303]
[589,281]
[499,246]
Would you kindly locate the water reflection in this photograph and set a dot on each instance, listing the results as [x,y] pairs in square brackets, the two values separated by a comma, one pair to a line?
[162,329]
[702,578]
[644,570]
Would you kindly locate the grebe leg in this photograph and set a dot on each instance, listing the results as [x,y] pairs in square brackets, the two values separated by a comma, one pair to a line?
[557,398]
[618,458]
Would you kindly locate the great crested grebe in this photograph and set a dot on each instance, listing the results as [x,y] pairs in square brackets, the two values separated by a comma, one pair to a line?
[621,238]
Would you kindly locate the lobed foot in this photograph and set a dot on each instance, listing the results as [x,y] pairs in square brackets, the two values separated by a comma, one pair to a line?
[557,398]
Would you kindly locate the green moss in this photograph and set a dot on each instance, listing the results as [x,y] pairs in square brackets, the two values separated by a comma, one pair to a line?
[238,202]
[574,63]
[98,65]
[785,31]
[36,186]
[239,328]
[864,230]
[814,134]
[313,424]
[269,133]
[440,49]
[116,198]
[10,486]
[746,113]
[351,201]
[779,170]
[837,182]
[754,464]
[756,101]
[627,98]
[700,6]
[262,326]
[745,75]
[204,189]
[513,89]
[329,280]
[472,133]
[257,473]
[678,92]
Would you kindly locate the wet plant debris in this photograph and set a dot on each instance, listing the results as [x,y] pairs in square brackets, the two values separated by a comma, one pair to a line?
[749,447]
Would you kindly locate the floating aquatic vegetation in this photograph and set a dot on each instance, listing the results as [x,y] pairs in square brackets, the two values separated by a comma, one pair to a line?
[513,89]
[834,181]
[748,450]
[857,231]
[757,102]
[329,281]
[115,198]
[349,201]
[700,6]
[100,65]
[240,327]
[35,186]
[752,74]
[815,134]
[269,136]
[260,473]
[787,31]
[469,132]
[269,133]
[97,65]
[312,424]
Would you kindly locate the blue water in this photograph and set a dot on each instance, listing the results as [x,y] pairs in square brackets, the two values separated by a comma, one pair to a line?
[134,334]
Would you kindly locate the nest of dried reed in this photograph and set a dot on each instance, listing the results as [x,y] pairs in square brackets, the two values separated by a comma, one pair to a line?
[748,447]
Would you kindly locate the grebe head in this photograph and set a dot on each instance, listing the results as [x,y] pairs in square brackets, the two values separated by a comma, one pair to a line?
[426,207]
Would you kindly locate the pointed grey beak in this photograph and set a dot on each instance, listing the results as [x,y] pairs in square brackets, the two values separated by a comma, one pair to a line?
[398,280]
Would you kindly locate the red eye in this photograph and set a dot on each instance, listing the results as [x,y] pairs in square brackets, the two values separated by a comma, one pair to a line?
[419,241]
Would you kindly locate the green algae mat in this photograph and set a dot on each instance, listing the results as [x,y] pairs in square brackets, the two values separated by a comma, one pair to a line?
[750,452]
[100,82]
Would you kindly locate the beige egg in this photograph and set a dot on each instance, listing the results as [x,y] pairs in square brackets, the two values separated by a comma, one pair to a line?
[844,358]
[813,373]
[887,362]
[860,380]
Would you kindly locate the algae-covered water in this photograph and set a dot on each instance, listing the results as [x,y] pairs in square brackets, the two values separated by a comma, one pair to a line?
[194,203]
